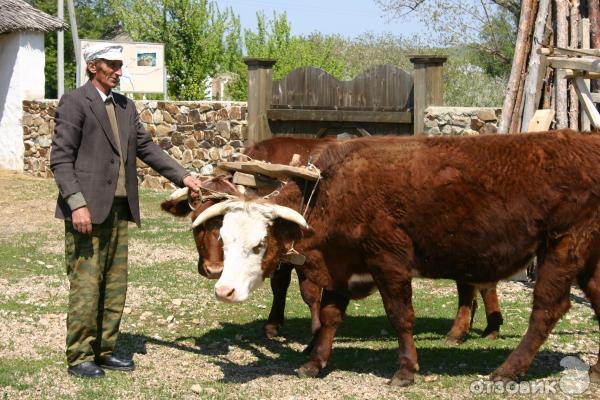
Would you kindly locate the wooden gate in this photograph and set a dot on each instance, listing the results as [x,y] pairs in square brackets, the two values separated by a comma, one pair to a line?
[310,102]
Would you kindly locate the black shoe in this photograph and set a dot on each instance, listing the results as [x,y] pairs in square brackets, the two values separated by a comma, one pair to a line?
[114,363]
[87,369]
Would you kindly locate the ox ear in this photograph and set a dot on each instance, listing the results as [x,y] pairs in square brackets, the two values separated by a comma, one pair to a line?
[178,208]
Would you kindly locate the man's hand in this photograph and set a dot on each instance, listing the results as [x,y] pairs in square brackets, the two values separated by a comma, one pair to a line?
[82,220]
[194,185]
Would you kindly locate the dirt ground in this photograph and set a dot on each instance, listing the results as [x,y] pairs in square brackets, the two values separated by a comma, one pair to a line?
[28,208]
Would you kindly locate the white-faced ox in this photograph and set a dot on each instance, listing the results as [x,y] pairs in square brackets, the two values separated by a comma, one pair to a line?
[472,209]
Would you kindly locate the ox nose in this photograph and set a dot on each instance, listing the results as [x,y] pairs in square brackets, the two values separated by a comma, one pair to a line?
[213,269]
[224,292]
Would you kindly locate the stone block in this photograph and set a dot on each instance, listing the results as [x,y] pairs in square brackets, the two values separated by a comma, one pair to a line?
[224,129]
[167,117]
[235,112]
[194,116]
[190,143]
[151,182]
[181,118]
[476,124]
[175,152]
[146,117]
[187,157]
[487,115]
[222,114]
[177,138]
[214,154]
[165,143]
[157,117]
[163,130]
[171,108]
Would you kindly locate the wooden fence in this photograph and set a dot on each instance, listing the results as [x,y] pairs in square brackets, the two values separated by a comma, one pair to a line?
[310,102]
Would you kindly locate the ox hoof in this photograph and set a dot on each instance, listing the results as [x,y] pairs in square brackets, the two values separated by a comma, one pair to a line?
[493,335]
[402,378]
[502,376]
[455,340]
[308,371]
[595,374]
[271,329]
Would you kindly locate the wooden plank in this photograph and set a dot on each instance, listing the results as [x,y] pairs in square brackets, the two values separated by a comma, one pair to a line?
[541,120]
[596,97]
[586,64]
[570,51]
[585,98]
[339,116]
[277,171]
[585,44]
[571,73]
[255,181]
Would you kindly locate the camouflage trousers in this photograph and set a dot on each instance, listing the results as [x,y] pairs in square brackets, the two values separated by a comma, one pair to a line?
[97,271]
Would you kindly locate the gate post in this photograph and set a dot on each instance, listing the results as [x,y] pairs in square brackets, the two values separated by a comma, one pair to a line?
[260,88]
[428,87]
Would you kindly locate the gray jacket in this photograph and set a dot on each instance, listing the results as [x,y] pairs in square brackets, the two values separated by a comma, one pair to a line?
[84,155]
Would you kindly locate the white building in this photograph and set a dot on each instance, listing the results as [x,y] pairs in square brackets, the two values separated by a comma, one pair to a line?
[22,29]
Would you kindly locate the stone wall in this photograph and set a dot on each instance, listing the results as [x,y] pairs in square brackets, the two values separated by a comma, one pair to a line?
[199,134]
[196,134]
[461,120]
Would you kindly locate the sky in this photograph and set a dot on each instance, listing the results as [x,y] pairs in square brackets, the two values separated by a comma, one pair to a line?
[348,18]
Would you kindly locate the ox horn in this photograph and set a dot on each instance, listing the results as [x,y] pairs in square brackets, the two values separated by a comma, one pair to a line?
[290,215]
[178,194]
[213,211]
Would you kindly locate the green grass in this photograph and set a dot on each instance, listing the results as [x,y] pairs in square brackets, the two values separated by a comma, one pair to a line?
[205,332]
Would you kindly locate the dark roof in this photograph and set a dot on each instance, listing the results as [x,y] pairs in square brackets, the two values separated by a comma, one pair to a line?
[17,15]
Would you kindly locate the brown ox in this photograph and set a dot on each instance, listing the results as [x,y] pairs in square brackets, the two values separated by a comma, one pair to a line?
[280,150]
[472,209]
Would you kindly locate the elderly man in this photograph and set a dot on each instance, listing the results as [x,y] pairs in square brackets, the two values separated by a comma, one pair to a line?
[97,137]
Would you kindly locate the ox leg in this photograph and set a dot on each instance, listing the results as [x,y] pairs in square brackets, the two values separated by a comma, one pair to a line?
[462,322]
[311,294]
[492,313]
[589,282]
[333,308]
[550,302]
[280,282]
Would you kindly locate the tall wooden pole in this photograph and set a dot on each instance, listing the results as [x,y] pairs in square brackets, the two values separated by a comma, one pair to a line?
[60,52]
[528,7]
[260,93]
[73,21]
[515,123]
[574,18]
[560,84]
[536,70]
[594,16]
[428,87]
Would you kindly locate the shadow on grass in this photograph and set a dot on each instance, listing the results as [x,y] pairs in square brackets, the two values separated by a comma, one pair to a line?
[281,359]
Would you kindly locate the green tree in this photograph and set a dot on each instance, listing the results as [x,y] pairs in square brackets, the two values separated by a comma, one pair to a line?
[95,20]
[200,39]
[273,39]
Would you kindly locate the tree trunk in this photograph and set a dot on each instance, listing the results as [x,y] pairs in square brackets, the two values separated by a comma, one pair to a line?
[560,85]
[515,124]
[574,43]
[535,70]
[528,7]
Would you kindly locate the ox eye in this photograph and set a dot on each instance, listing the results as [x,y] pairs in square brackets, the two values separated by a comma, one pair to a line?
[256,249]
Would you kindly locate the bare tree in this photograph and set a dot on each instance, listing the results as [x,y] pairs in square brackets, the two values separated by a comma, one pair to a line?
[460,22]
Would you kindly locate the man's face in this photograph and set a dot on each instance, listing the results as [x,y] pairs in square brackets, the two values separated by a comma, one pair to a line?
[106,73]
